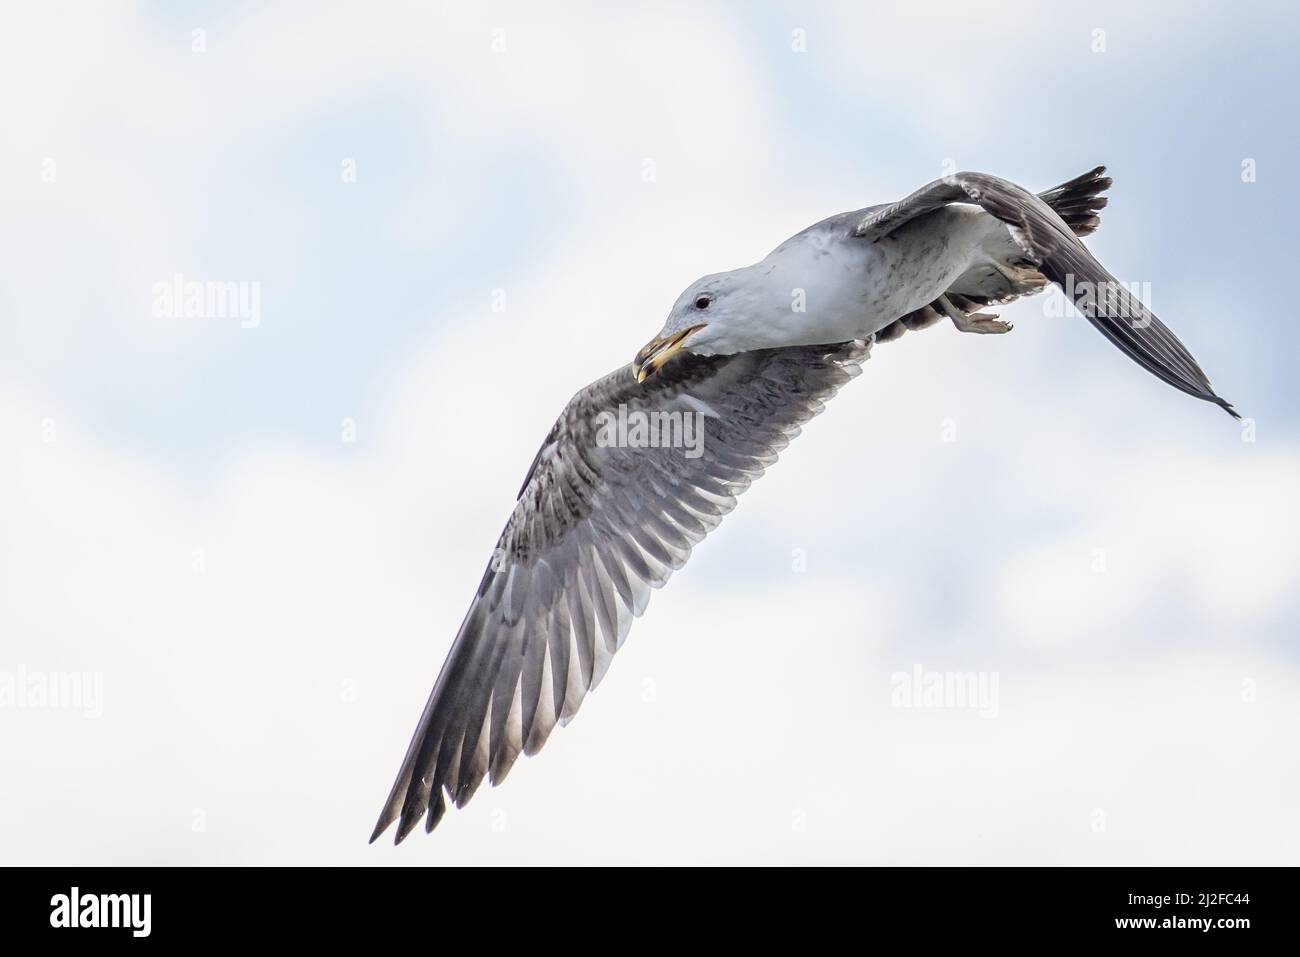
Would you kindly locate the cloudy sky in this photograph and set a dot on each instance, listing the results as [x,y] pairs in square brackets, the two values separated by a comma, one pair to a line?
[256,534]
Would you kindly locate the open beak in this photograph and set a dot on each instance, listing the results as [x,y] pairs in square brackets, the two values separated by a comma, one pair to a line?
[659,350]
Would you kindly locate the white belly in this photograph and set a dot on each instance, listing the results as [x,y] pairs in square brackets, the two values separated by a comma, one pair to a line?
[849,289]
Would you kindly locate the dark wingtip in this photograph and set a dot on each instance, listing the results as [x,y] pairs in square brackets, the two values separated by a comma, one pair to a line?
[1226,406]
[380,828]
[437,807]
[404,827]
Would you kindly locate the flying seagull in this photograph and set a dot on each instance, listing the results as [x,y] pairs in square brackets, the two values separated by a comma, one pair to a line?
[751,354]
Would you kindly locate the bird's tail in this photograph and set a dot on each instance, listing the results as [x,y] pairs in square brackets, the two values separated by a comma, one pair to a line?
[1078,201]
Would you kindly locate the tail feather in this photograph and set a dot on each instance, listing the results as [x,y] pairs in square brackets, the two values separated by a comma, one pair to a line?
[1079,200]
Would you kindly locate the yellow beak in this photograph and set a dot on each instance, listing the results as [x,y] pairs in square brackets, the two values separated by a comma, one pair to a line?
[659,350]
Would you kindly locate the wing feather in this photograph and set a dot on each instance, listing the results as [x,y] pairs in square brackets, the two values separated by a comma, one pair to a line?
[1051,242]
[594,530]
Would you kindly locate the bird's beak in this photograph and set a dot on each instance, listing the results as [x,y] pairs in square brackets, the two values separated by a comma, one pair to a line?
[659,350]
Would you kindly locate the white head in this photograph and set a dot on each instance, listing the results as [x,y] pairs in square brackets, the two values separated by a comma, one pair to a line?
[719,314]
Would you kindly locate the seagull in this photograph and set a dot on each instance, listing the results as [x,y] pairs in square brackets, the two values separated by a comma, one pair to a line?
[608,512]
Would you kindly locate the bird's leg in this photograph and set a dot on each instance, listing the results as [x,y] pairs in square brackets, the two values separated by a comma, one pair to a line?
[1024,277]
[982,322]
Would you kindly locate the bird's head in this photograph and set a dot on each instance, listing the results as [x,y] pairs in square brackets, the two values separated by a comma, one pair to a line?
[712,316]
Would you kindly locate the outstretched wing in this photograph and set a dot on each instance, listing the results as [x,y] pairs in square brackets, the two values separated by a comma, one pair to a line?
[1050,242]
[619,493]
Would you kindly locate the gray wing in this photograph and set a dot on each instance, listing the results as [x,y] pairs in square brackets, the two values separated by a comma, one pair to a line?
[1050,242]
[595,528]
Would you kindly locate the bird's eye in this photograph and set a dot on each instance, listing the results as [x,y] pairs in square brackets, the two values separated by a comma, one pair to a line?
[703,302]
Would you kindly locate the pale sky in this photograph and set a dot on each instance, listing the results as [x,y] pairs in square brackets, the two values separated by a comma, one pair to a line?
[262,536]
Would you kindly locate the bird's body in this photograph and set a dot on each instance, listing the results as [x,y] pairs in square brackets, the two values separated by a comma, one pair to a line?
[750,355]
[824,285]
